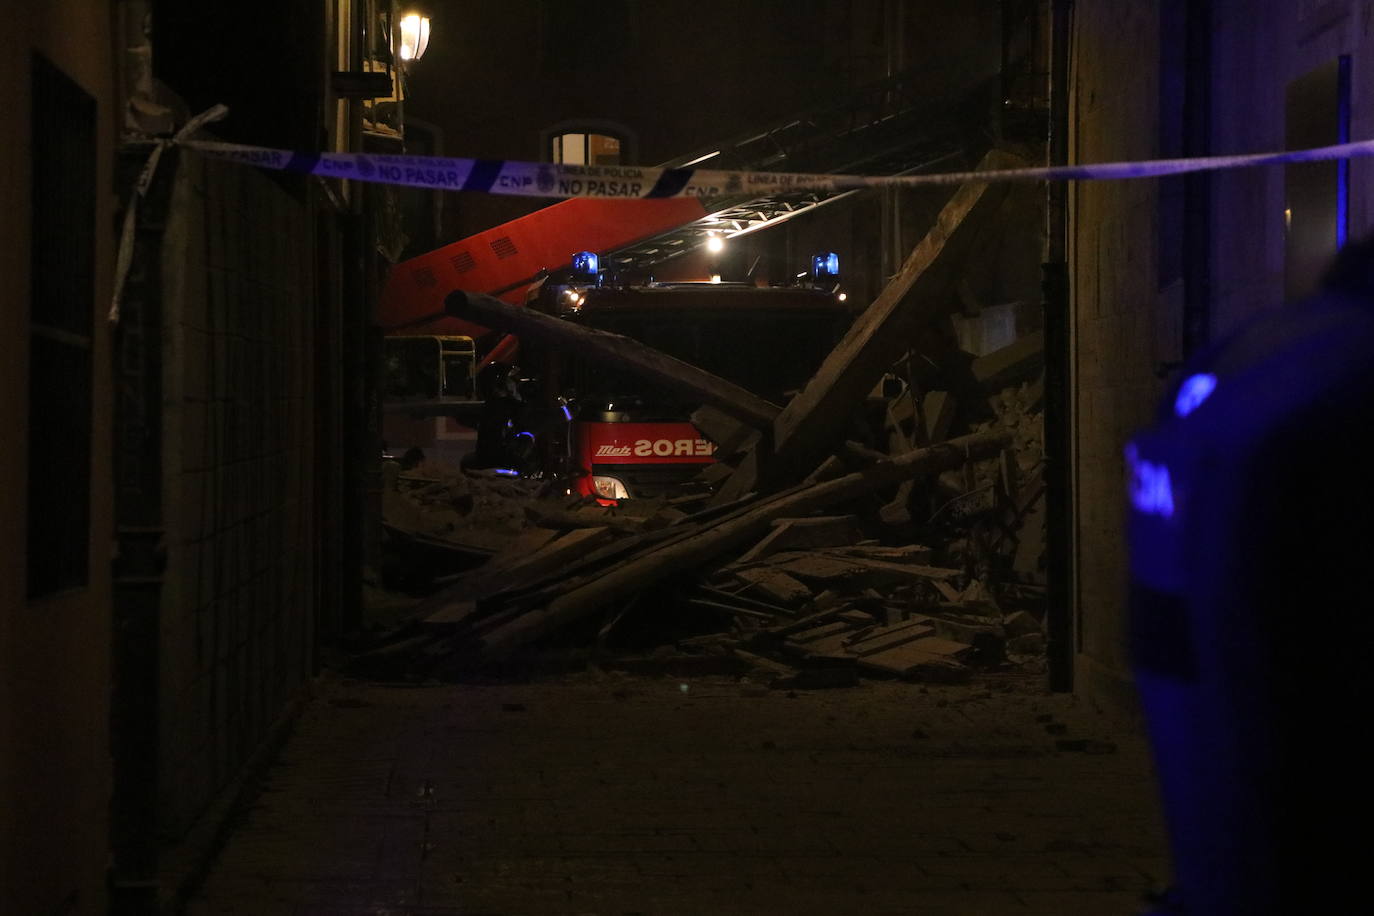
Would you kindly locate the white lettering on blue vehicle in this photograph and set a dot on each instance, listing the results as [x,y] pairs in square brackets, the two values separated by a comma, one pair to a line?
[1150,489]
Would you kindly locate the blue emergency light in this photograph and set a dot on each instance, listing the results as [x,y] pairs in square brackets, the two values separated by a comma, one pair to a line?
[825,265]
[1194,390]
[586,263]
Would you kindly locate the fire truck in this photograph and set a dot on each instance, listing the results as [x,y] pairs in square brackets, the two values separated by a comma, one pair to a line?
[422,414]
[621,437]
[428,380]
[603,432]
[890,127]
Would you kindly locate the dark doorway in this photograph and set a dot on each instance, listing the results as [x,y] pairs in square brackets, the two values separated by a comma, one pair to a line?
[1316,194]
[63,271]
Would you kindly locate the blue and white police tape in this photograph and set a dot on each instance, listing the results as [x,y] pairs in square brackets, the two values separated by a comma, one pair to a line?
[124,255]
[542,179]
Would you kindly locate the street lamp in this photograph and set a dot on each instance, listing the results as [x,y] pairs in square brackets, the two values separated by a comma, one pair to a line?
[414,36]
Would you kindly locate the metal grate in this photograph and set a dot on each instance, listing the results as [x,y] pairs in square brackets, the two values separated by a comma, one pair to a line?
[463,262]
[504,248]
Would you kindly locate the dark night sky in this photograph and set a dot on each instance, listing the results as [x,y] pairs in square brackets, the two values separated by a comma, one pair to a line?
[680,75]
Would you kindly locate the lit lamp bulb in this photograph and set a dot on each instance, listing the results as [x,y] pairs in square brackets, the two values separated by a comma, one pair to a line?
[414,36]
[715,244]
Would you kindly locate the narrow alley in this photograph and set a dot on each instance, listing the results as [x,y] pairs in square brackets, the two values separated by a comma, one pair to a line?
[619,794]
[625,458]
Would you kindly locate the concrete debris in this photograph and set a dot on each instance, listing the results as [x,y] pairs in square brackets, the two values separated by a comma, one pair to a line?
[469,512]
[776,585]
[916,553]
[1017,362]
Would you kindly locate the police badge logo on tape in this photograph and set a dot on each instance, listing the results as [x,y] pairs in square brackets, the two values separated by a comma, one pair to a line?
[365,167]
[544,179]
[734,184]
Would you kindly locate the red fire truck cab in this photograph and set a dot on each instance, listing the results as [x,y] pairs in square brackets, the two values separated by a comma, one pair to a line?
[624,437]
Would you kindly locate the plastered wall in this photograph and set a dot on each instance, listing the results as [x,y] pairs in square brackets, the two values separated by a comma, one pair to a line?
[54,652]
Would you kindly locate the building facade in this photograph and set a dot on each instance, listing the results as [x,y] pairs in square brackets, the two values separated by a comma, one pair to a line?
[1161,268]
[56,487]
[184,470]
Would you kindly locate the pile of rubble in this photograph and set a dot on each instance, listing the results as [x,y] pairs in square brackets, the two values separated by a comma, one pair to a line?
[780,586]
[438,520]
[825,549]
[477,513]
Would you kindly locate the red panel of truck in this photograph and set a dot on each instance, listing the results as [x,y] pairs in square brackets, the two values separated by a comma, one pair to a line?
[619,444]
[497,258]
[643,443]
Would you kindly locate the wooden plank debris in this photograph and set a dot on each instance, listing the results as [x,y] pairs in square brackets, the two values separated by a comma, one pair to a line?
[776,585]
[816,567]
[1030,542]
[623,352]
[834,628]
[705,542]
[451,615]
[828,469]
[901,412]
[744,601]
[759,663]
[814,420]
[939,408]
[949,592]
[556,553]
[792,533]
[911,661]
[802,624]
[708,605]
[907,553]
[889,637]
[824,567]
[729,434]
[590,517]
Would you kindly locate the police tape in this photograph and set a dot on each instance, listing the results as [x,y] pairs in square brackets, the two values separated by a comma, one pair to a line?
[542,179]
[125,255]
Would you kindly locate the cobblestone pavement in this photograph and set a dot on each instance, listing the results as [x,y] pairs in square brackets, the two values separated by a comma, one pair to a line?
[618,795]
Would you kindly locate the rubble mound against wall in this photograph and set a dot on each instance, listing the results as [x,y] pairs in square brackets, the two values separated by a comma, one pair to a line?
[931,576]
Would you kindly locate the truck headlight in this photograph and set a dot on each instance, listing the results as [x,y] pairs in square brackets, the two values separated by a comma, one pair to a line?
[610,488]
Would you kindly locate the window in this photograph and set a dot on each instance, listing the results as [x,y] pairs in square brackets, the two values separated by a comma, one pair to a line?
[62,272]
[1316,194]
[586,149]
[588,141]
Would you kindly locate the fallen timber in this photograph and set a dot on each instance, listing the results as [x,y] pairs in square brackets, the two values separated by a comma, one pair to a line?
[582,596]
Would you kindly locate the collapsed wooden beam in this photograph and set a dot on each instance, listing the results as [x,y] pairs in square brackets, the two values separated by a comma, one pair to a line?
[623,352]
[683,554]
[815,420]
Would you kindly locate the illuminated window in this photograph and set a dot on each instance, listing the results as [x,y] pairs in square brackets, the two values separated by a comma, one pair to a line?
[585,149]
[1316,194]
[588,141]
